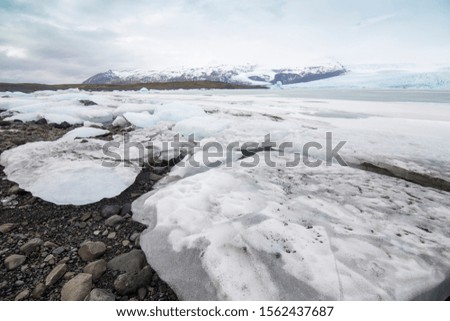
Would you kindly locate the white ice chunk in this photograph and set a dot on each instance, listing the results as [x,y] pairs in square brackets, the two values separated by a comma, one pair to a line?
[143,120]
[120,122]
[66,172]
[85,132]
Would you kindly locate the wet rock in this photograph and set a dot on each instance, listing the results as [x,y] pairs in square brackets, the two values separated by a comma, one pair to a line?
[7,227]
[22,295]
[131,262]
[113,220]
[32,245]
[110,210]
[90,251]
[14,261]
[56,274]
[38,291]
[96,268]
[100,295]
[130,282]
[77,288]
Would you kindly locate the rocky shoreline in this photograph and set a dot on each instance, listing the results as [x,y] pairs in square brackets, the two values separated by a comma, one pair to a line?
[52,252]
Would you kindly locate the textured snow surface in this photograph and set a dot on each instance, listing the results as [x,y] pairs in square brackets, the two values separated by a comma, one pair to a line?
[266,233]
[261,232]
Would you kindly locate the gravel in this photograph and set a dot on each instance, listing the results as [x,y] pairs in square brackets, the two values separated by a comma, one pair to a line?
[51,235]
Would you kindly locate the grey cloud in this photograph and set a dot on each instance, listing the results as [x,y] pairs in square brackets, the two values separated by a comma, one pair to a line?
[68,41]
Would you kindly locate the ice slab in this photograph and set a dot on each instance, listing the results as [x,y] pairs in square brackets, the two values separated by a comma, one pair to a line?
[277,233]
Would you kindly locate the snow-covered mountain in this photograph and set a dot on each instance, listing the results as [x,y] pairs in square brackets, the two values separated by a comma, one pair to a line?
[247,74]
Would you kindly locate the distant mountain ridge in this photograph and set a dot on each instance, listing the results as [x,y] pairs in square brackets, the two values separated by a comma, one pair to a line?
[245,75]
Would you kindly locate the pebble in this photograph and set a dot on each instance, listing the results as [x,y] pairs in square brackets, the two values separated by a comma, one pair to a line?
[19,283]
[50,245]
[7,227]
[3,284]
[64,260]
[111,235]
[50,258]
[58,250]
[14,261]
[97,232]
[100,295]
[130,282]
[90,251]
[56,274]
[85,217]
[69,275]
[113,220]
[77,288]
[142,293]
[96,268]
[131,262]
[22,295]
[126,243]
[15,190]
[126,209]
[134,236]
[32,245]
[110,210]
[155,177]
[38,291]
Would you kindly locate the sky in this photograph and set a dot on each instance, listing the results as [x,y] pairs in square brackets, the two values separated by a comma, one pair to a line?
[69,41]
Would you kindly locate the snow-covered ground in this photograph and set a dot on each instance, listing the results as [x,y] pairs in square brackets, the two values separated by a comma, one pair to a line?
[268,231]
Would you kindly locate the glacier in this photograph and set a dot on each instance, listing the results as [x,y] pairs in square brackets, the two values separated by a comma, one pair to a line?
[261,232]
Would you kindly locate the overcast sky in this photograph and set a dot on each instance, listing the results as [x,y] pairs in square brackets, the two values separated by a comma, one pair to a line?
[69,41]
